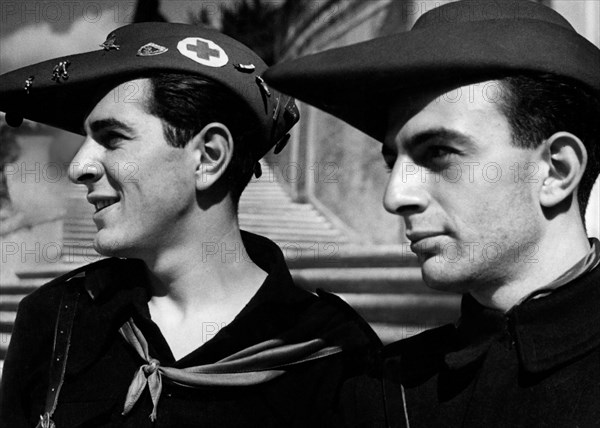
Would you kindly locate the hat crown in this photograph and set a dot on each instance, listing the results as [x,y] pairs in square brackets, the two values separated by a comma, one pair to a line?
[158,32]
[486,10]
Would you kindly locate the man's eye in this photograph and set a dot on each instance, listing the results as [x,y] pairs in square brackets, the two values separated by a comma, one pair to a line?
[111,140]
[440,152]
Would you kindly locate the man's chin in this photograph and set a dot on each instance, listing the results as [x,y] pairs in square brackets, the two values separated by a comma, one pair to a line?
[109,248]
[442,277]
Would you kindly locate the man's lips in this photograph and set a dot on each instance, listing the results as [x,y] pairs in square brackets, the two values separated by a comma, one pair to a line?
[102,202]
[415,237]
[424,241]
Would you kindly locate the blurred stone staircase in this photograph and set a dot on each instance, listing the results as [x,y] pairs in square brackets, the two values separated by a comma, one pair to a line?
[383,283]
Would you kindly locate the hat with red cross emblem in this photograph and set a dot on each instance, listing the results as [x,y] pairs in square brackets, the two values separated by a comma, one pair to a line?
[61,92]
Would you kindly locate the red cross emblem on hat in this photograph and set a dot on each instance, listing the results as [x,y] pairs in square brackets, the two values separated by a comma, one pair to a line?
[203,51]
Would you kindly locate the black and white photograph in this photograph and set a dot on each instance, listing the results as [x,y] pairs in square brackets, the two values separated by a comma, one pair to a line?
[300,213]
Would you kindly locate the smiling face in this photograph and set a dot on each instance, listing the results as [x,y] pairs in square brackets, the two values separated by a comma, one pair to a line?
[143,189]
[468,197]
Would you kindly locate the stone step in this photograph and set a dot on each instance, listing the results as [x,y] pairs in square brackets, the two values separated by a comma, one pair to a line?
[298,254]
[405,309]
[21,287]
[83,243]
[84,240]
[7,320]
[245,218]
[4,341]
[312,253]
[273,196]
[44,272]
[84,206]
[305,222]
[257,205]
[288,233]
[389,333]
[330,255]
[260,206]
[363,280]
[268,195]
[286,216]
[324,229]
[10,302]
[78,255]
[83,246]
[253,186]
[285,239]
[263,192]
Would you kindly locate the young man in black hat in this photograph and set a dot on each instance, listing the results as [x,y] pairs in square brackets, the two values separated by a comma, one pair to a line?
[491,136]
[176,118]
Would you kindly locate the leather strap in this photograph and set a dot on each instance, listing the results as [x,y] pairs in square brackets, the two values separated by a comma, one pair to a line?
[394,400]
[60,352]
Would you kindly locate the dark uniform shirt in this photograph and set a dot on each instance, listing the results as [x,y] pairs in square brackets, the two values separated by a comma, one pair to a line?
[101,365]
[538,365]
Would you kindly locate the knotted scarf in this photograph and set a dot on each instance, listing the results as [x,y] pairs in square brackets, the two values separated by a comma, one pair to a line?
[251,366]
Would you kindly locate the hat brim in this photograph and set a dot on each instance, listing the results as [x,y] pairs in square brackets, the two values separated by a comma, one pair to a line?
[141,50]
[356,83]
[65,103]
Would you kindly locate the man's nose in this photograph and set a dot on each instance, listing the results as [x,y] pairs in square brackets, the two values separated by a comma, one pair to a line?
[406,191]
[86,167]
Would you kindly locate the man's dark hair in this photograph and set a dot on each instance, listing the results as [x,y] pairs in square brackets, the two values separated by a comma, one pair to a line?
[186,103]
[540,105]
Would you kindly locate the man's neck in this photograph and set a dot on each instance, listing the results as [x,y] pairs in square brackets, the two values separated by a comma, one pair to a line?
[212,270]
[555,254]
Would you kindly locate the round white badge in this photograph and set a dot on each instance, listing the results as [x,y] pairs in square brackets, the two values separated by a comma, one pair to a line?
[203,51]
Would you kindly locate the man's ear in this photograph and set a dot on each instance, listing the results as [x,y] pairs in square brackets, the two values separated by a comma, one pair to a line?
[214,144]
[567,158]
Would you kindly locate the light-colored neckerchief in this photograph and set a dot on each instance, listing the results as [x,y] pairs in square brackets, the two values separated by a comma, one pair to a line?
[251,366]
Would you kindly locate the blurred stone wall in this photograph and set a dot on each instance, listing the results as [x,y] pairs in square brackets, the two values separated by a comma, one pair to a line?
[37,181]
[341,167]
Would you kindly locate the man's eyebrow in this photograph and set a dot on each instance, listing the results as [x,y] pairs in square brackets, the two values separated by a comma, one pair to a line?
[111,123]
[443,134]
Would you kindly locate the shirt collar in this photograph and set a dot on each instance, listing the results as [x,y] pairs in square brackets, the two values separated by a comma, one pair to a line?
[118,286]
[548,331]
[560,327]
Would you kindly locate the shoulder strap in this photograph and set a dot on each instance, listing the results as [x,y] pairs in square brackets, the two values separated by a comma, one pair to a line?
[60,352]
[394,400]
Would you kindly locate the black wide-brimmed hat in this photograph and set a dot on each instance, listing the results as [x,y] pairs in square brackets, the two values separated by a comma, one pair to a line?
[465,41]
[62,91]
